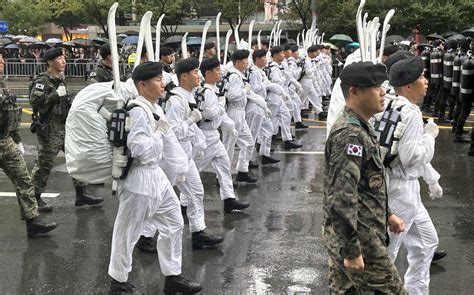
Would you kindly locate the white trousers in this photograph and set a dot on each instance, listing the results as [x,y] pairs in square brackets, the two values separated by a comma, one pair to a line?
[419,237]
[136,210]
[310,95]
[216,157]
[281,117]
[262,130]
[244,139]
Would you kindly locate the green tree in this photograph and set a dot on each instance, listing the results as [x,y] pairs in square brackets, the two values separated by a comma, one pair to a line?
[23,17]
[66,14]
[233,11]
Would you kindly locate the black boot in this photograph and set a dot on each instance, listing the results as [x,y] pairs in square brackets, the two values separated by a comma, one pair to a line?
[117,288]
[300,125]
[184,214]
[147,245]
[458,138]
[82,198]
[201,240]
[43,207]
[35,227]
[289,145]
[245,177]
[232,204]
[439,255]
[253,165]
[179,284]
[269,160]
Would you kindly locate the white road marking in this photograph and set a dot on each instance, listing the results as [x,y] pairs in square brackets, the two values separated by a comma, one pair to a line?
[43,195]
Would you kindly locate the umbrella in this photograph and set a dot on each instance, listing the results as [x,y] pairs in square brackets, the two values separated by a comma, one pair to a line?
[194,41]
[405,42]
[434,37]
[5,41]
[394,39]
[27,40]
[449,34]
[130,40]
[131,33]
[341,38]
[39,44]
[457,37]
[54,41]
[469,32]
[330,45]
[354,45]
[12,46]
[67,44]
[100,41]
[18,37]
[82,42]
[121,36]
[173,39]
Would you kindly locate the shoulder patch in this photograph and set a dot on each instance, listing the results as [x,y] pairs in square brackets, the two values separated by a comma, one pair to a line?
[355,150]
[39,86]
[93,74]
[353,120]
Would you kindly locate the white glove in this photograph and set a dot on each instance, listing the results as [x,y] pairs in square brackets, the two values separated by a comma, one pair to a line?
[286,97]
[436,191]
[199,155]
[268,112]
[195,116]
[235,132]
[431,128]
[298,86]
[180,178]
[61,91]
[221,100]
[20,147]
[163,126]
[248,89]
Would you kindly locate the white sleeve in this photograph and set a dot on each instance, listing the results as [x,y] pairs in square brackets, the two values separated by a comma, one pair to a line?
[211,110]
[177,118]
[430,175]
[174,160]
[234,91]
[144,145]
[256,84]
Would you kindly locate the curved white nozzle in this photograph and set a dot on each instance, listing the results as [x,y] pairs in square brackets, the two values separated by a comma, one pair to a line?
[141,35]
[158,36]
[302,39]
[278,32]
[373,39]
[298,39]
[259,39]
[113,45]
[360,29]
[252,23]
[322,38]
[272,35]
[385,28]
[203,40]
[184,46]
[218,35]
[149,43]
[226,48]
[236,36]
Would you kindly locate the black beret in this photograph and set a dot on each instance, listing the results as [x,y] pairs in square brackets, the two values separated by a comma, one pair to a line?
[105,50]
[165,51]
[276,49]
[364,74]
[294,48]
[146,71]
[288,46]
[313,48]
[52,53]
[258,53]
[209,45]
[240,54]
[208,64]
[396,57]
[390,49]
[406,71]
[186,65]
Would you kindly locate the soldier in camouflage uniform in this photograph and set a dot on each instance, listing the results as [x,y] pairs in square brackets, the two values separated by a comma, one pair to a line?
[13,163]
[103,71]
[51,104]
[356,213]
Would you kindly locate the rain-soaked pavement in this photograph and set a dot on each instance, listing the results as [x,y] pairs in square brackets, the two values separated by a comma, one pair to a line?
[274,247]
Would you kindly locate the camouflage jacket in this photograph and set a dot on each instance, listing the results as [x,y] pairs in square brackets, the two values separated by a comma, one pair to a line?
[44,99]
[355,197]
[8,103]
[101,73]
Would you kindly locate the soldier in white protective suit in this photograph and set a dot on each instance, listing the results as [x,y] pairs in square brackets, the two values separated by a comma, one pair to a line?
[213,112]
[259,118]
[277,102]
[415,151]
[183,114]
[145,195]
[293,74]
[237,93]
[308,78]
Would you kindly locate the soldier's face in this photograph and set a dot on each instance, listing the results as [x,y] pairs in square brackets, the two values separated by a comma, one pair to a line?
[194,77]
[214,75]
[2,64]
[261,61]
[418,88]
[371,99]
[59,63]
[279,57]
[154,87]
[242,64]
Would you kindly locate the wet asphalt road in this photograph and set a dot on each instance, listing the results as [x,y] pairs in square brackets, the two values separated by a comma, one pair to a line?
[274,247]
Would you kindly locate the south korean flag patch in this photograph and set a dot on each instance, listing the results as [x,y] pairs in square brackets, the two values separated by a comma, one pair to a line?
[355,150]
[39,86]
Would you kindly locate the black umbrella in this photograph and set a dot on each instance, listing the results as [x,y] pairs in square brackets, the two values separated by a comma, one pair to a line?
[457,37]
[5,41]
[173,39]
[434,37]
[449,34]
[394,39]
[469,32]
[131,33]
[39,44]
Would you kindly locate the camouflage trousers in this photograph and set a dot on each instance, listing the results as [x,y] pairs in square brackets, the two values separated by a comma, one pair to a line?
[14,166]
[379,277]
[51,141]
